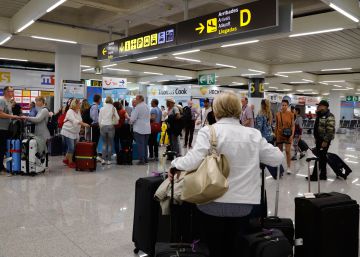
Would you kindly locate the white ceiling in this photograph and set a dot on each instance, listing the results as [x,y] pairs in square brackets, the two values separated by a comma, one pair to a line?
[88,22]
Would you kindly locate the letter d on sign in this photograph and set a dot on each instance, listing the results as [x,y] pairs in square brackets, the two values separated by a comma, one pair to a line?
[244,22]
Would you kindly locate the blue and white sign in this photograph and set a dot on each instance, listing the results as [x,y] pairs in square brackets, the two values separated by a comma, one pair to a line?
[110,83]
[47,80]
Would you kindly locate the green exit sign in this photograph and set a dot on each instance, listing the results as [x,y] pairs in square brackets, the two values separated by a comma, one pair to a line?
[207,79]
[351,98]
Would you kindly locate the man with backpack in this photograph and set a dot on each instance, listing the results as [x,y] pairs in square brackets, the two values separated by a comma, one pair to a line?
[175,127]
[94,115]
[5,118]
[190,116]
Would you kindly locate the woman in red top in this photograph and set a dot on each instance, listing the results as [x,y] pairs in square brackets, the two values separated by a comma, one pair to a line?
[118,128]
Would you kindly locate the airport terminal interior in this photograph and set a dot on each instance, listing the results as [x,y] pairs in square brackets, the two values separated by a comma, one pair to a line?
[74,199]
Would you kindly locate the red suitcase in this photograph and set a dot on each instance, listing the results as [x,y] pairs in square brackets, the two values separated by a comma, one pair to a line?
[85,156]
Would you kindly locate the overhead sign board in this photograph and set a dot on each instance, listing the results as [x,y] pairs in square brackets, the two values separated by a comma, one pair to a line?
[257,15]
[155,39]
[207,79]
[112,83]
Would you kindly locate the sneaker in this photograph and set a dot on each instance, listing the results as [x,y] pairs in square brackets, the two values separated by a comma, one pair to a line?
[151,159]
[103,162]
[302,155]
[288,171]
[156,159]
[294,158]
[8,174]
[108,162]
[185,146]
[66,161]
[72,165]
[99,159]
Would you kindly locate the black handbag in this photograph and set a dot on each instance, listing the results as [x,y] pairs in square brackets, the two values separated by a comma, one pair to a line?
[286,132]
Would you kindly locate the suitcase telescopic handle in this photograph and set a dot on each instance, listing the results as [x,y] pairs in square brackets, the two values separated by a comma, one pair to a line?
[308,160]
[277,195]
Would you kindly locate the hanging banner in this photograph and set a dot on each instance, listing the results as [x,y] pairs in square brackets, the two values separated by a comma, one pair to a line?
[113,83]
[310,100]
[72,89]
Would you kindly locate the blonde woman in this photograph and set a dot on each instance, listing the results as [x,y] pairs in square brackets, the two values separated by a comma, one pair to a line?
[244,149]
[108,117]
[264,121]
[71,129]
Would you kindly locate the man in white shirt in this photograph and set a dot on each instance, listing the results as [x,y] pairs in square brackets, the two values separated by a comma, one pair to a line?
[140,119]
[204,113]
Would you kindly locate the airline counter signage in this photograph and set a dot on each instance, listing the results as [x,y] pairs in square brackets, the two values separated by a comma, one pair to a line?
[155,39]
[260,14]
[248,17]
[169,91]
[112,83]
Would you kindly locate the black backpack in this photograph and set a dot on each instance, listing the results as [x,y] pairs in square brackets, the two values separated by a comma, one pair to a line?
[52,124]
[15,129]
[187,113]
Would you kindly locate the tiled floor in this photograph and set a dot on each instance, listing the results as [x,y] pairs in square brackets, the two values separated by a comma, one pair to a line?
[76,214]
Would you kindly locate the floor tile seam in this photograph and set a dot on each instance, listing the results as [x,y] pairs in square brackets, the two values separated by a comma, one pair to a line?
[64,234]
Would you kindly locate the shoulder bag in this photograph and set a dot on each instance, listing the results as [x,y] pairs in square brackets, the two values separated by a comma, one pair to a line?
[209,181]
[286,132]
[115,119]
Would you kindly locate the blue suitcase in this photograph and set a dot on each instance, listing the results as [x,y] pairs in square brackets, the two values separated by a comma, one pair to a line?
[13,147]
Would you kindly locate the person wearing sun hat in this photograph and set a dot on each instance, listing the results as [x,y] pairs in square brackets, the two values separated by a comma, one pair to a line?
[324,133]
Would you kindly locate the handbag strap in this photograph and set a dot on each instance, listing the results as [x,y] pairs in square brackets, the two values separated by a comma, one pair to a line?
[213,141]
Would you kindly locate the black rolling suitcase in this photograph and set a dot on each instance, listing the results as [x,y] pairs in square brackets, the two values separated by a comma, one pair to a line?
[125,156]
[340,168]
[326,224]
[164,249]
[267,243]
[274,222]
[146,214]
[303,146]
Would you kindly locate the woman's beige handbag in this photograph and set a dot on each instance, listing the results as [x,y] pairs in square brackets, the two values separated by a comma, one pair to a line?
[209,181]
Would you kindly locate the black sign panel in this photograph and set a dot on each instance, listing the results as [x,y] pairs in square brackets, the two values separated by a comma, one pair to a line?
[108,51]
[260,14]
[152,40]
[244,18]
[256,87]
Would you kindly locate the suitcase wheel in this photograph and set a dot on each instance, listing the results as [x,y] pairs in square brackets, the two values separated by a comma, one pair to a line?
[136,251]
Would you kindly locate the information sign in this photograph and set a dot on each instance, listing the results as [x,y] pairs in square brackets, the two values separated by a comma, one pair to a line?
[207,79]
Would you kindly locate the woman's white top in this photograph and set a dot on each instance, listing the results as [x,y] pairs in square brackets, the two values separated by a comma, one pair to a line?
[107,112]
[244,149]
[71,127]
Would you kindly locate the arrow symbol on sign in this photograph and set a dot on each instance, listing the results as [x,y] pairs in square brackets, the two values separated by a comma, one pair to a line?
[104,51]
[202,79]
[201,28]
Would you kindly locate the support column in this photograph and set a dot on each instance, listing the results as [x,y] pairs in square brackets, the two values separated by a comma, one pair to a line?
[67,67]
[335,106]
[256,93]
[186,10]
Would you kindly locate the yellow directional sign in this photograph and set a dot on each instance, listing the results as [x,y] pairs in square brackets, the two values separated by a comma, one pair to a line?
[201,28]
[154,39]
[104,51]
[122,47]
[140,42]
[146,41]
[211,25]
[127,46]
[133,44]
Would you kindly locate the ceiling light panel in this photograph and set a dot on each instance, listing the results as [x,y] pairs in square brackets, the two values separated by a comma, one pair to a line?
[187,52]
[345,13]
[116,69]
[289,72]
[147,59]
[336,69]
[187,59]
[110,65]
[281,75]
[225,65]
[55,39]
[316,32]
[5,40]
[153,73]
[333,81]
[55,5]
[13,59]
[25,26]
[241,43]
[258,71]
